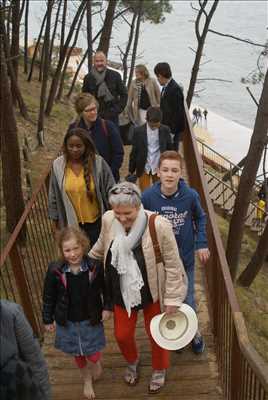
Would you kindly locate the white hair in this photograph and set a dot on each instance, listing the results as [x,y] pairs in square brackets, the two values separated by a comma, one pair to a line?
[125,193]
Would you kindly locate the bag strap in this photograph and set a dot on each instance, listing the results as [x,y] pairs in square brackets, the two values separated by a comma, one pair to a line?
[157,251]
[104,126]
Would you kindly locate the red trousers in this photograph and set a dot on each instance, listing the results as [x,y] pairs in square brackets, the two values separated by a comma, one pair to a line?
[124,328]
[81,361]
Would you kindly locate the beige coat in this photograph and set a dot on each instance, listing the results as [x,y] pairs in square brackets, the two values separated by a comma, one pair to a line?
[153,91]
[168,281]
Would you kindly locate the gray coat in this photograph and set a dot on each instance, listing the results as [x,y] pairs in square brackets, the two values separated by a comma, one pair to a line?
[23,370]
[60,207]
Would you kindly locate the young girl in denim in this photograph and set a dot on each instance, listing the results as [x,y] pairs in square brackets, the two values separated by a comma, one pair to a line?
[75,305]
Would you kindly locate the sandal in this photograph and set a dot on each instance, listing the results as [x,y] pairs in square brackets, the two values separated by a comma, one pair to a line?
[157,381]
[131,375]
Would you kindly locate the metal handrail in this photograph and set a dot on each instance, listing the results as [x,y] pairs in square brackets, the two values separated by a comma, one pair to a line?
[257,184]
[200,142]
[24,260]
[243,372]
[255,207]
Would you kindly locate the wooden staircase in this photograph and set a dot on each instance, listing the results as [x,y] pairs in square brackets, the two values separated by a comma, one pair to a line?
[190,377]
[223,191]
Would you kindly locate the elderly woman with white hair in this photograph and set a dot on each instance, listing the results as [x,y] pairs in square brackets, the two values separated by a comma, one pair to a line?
[134,280]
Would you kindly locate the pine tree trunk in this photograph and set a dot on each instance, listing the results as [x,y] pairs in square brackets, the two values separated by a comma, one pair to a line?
[26,19]
[37,47]
[89,35]
[61,86]
[41,65]
[16,89]
[11,167]
[105,38]
[62,36]
[257,261]
[57,74]
[135,45]
[201,42]
[15,47]
[54,32]
[129,43]
[46,48]
[247,180]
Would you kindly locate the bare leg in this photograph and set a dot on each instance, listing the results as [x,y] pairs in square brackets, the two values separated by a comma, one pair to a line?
[88,386]
[96,369]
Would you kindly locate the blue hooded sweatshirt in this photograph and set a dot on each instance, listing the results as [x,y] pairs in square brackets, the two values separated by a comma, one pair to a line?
[184,211]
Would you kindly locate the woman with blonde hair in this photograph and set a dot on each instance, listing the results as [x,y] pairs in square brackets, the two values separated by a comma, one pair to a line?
[104,133]
[143,93]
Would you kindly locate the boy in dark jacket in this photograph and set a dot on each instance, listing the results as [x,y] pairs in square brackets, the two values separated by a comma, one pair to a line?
[180,204]
[149,141]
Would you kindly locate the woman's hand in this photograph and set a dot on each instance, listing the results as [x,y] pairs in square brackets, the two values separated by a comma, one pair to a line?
[171,309]
[203,255]
[50,327]
[106,315]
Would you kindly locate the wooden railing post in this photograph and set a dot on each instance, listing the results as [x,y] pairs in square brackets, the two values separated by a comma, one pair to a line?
[236,366]
[22,286]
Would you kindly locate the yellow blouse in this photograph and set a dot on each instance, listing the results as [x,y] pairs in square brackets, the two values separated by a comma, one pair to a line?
[75,187]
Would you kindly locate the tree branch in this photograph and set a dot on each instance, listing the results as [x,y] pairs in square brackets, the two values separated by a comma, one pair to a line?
[214,79]
[252,96]
[205,62]
[239,39]
[192,49]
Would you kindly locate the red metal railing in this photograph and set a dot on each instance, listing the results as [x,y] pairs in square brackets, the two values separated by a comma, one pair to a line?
[24,262]
[243,373]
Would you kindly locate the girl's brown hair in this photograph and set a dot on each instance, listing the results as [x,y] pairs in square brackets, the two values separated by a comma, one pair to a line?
[87,158]
[71,232]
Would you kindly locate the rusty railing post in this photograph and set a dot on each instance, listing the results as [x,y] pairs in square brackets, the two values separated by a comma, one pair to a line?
[22,286]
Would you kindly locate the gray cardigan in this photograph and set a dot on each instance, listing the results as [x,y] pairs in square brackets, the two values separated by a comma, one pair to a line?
[20,350]
[60,207]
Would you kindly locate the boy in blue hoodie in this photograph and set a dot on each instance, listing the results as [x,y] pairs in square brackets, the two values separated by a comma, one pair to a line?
[180,204]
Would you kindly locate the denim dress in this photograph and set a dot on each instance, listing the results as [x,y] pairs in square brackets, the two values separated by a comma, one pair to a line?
[78,336]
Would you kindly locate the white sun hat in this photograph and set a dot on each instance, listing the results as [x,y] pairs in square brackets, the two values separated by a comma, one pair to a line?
[174,331]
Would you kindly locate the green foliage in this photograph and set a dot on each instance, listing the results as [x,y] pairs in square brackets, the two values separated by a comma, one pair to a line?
[153,10]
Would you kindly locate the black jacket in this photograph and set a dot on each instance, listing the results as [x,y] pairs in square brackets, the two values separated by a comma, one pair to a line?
[172,107]
[117,88]
[107,140]
[55,296]
[139,152]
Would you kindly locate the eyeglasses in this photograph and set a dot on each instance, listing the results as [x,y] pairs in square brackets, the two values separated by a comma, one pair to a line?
[123,189]
[92,109]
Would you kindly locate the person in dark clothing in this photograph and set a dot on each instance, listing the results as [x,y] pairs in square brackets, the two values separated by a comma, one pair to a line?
[23,370]
[74,298]
[180,204]
[107,87]
[149,141]
[105,134]
[171,102]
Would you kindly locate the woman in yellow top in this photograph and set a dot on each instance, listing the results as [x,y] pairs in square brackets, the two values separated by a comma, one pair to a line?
[79,185]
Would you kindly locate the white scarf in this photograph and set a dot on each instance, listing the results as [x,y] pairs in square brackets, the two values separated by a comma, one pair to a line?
[124,261]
